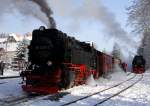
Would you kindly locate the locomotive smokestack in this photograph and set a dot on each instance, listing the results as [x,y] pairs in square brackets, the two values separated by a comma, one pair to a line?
[47,10]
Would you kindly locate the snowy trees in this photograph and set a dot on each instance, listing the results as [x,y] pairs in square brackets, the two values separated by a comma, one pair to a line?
[117,51]
[139,15]
[144,48]
[21,55]
[22,50]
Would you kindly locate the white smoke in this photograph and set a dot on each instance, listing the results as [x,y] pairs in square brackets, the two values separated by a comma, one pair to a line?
[75,11]
[29,8]
[96,12]
[118,73]
[90,81]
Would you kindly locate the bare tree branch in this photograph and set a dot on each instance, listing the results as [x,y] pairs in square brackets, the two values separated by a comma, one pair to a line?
[139,15]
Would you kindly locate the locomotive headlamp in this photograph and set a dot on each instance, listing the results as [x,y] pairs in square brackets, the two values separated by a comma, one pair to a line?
[49,63]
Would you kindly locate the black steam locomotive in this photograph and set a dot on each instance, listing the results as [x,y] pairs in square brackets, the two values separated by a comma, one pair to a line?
[56,60]
[138,64]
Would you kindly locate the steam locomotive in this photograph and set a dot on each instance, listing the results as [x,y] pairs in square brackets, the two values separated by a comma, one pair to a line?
[57,61]
[138,64]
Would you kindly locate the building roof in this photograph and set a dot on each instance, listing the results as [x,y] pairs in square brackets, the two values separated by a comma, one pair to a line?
[28,36]
[17,37]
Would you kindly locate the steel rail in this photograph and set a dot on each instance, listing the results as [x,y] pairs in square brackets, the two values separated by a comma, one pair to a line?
[98,91]
[9,77]
[116,94]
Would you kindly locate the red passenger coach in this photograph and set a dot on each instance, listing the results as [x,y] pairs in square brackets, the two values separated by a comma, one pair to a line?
[104,63]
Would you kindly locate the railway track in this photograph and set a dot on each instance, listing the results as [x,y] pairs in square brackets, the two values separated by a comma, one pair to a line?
[13,101]
[9,77]
[23,99]
[17,100]
[106,99]
[116,94]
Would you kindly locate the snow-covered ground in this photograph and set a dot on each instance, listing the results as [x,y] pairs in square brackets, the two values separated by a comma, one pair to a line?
[10,72]
[138,95]
[10,88]
[80,91]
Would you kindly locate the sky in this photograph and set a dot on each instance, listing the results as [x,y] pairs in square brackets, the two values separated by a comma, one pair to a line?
[118,7]
[90,29]
[74,22]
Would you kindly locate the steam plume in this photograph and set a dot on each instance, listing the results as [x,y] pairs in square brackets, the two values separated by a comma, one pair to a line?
[108,20]
[46,9]
[39,9]
[95,11]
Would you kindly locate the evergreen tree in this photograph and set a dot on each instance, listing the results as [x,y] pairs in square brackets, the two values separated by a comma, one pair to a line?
[104,50]
[21,55]
[116,51]
[22,50]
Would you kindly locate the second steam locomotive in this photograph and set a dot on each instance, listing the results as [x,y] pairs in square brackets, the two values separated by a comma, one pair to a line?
[138,64]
